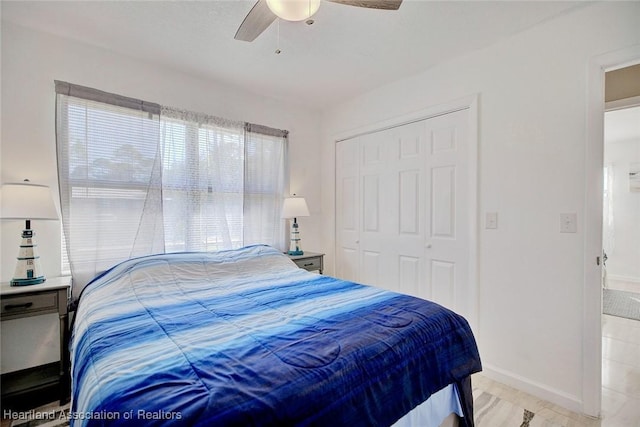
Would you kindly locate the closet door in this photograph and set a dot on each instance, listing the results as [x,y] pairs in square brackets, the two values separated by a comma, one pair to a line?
[410,224]
[393,226]
[447,238]
[347,210]
[401,203]
[375,211]
[380,205]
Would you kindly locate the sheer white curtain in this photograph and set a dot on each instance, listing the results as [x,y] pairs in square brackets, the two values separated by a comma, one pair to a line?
[264,185]
[109,171]
[136,179]
[223,182]
[203,182]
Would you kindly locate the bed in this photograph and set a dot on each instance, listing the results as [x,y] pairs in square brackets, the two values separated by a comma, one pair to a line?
[245,338]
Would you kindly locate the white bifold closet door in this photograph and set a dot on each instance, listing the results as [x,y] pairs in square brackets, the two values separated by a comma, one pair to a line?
[401,209]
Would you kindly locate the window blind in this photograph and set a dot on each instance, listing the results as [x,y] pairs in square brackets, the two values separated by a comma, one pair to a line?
[106,158]
[137,178]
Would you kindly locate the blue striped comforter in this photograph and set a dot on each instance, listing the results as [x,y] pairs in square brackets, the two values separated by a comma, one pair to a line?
[244,337]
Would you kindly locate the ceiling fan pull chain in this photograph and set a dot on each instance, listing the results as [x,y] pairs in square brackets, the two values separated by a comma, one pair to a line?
[278,51]
[309,21]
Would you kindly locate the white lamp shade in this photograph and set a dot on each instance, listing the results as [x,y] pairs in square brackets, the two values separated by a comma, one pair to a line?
[25,200]
[294,10]
[294,207]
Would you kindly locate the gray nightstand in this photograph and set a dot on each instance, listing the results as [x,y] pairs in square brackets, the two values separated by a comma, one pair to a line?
[310,261]
[18,302]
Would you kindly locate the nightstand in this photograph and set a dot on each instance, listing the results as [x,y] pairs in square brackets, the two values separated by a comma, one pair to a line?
[310,261]
[33,301]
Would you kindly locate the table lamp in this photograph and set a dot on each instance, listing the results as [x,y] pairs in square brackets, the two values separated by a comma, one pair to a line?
[294,207]
[27,201]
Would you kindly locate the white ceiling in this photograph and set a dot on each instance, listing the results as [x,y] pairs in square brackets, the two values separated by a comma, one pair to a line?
[346,52]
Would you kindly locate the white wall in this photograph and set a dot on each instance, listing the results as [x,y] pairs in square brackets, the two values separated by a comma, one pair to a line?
[624,259]
[532,132]
[31,61]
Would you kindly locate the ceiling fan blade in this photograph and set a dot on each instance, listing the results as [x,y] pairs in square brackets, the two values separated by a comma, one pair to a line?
[372,4]
[257,20]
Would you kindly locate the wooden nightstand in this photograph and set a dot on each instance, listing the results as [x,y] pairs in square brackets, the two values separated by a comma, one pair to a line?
[19,302]
[310,261]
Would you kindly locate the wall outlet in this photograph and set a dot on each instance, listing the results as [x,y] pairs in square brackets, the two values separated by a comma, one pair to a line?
[568,223]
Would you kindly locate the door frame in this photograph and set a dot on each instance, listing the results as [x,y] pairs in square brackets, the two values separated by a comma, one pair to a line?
[467,103]
[594,162]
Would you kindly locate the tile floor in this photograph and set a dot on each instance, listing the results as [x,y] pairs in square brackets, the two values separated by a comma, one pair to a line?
[620,366]
[620,378]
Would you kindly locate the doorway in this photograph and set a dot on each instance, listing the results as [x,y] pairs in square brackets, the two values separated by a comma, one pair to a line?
[592,391]
[621,270]
[621,198]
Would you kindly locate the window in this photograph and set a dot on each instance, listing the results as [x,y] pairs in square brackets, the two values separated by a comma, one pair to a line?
[203,169]
[150,179]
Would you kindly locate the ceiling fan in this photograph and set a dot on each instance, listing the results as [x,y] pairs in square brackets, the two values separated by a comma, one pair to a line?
[264,12]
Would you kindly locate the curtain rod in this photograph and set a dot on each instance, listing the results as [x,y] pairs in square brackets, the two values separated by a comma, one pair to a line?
[84,92]
[91,94]
[266,130]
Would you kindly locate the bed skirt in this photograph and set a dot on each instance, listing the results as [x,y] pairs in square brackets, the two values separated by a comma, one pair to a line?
[445,408]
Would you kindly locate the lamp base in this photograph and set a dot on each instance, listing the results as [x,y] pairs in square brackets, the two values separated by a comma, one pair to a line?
[295,248]
[27,282]
[28,269]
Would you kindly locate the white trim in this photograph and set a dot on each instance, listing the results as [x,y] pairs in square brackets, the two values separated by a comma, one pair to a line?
[620,104]
[427,113]
[473,216]
[594,161]
[533,388]
[623,278]
[471,103]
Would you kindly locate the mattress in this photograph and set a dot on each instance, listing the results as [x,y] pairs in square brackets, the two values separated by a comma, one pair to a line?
[244,337]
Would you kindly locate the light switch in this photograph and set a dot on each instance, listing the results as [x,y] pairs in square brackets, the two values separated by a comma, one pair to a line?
[491,220]
[568,223]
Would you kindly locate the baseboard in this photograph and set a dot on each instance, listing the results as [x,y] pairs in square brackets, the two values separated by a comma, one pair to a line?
[560,398]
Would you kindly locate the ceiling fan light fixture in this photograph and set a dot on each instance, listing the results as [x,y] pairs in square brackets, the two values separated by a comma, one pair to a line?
[294,10]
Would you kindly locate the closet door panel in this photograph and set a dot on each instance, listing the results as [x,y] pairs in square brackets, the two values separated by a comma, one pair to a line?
[409,203]
[443,282]
[409,226]
[443,202]
[370,268]
[374,214]
[447,237]
[347,210]
[410,275]
[371,203]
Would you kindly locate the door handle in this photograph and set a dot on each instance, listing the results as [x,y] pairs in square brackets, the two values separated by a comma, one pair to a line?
[428,245]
